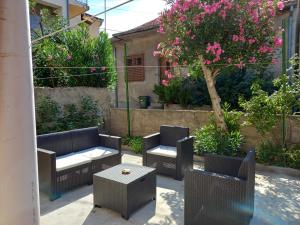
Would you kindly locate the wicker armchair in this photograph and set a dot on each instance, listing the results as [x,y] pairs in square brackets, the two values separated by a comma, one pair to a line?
[170,151]
[221,194]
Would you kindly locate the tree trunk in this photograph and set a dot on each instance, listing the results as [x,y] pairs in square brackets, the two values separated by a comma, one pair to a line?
[214,97]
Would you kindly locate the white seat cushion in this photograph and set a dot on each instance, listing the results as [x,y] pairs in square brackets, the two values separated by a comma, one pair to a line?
[69,161]
[97,152]
[163,150]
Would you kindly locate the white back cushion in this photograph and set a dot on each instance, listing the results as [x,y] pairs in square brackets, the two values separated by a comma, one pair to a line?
[163,150]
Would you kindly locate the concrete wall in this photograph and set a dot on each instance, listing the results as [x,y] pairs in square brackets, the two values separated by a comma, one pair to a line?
[138,45]
[144,122]
[73,95]
[60,4]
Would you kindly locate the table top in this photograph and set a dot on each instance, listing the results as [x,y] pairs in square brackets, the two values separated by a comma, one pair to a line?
[115,173]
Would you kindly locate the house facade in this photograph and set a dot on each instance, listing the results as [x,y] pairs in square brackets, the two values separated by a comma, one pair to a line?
[141,42]
[149,70]
[72,10]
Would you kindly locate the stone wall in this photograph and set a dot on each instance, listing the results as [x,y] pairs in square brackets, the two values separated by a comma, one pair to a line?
[144,122]
[73,95]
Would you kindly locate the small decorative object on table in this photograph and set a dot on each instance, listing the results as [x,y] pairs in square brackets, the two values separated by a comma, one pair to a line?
[125,171]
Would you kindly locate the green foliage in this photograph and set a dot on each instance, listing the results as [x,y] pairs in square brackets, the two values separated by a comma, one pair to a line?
[231,85]
[265,111]
[47,115]
[262,109]
[50,117]
[211,139]
[271,153]
[72,57]
[135,143]
[89,59]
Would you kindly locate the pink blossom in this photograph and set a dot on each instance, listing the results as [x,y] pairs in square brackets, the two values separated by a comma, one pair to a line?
[275,61]
[229,60]
[280,5]
[251,41]
[156,53]
[252,60]
[93,70]
[103,68]
[240,65]
[161,29]
[165,82]
[235,38]
[174,64]
[177,41]
[207,62]
[69,57]
[168,74]
[277,42]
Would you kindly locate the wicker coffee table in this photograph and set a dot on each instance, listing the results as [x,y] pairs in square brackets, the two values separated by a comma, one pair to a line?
[124,193]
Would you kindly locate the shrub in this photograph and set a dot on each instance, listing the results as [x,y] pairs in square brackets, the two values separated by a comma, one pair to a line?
[50,117]
[211,139]
[47,115]
[192,91]
[74,58]
[135,143]
[271,153]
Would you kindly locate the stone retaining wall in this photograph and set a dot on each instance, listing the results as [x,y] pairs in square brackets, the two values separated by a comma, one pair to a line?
[147,121]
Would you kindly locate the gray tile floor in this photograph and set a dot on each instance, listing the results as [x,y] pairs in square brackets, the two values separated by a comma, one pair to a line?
[277,202]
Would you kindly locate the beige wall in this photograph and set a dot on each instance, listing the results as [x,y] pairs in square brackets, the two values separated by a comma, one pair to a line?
[73,95]
[277,69]
[93,28]
[145,122]
[60,4]
[139,45]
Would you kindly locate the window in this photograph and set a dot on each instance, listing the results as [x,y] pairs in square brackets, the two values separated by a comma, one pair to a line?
[136,70]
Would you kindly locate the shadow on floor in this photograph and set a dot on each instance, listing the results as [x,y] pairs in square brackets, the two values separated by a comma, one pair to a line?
[47,206]
[277,200]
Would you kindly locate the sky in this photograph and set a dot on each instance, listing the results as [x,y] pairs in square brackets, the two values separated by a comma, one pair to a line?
[128,16]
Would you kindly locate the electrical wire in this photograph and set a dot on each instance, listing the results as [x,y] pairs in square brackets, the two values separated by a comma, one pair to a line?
[72,75]
[154,66]
[71,26]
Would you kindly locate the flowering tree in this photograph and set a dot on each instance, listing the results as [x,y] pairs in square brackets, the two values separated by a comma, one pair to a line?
[219,34]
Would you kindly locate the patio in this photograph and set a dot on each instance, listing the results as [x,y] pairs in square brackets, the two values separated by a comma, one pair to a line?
[277,202]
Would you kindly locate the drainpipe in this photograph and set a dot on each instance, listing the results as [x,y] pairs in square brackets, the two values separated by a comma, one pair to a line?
[68,12]
[117,83]
[19,200]
[290,37]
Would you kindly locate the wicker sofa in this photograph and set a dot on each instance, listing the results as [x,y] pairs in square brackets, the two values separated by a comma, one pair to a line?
[221,194]
[69,159]
[170,151]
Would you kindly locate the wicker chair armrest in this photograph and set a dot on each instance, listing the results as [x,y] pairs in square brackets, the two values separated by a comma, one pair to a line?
[47,170]
[151,141]
[185,146]
[46,152]
[185,153]
[222,164]
[110,141]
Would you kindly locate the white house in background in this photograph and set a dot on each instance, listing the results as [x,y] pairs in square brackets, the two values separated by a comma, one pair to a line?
[73,10]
